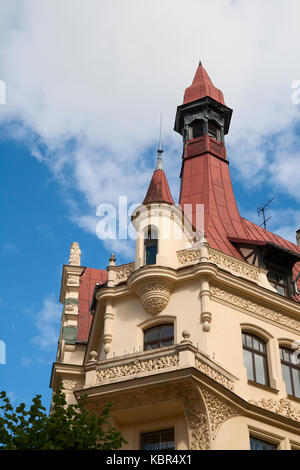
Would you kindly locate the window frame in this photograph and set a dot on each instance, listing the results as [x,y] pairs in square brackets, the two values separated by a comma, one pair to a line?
[269,443]
[217,136]
[159,431]
[159,340]
[291,366]
[254,352]
[150,242]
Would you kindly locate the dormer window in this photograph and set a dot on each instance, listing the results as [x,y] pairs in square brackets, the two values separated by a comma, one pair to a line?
[214,131]
[197,129]
[151,245]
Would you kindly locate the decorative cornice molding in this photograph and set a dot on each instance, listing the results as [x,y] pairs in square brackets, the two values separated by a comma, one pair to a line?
[232,264]
[255,308]
[282,407]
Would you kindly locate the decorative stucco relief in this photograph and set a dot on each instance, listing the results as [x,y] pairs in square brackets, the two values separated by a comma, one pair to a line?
[72,384]
[123,272]
[282,407]
[73,281]
[231,264]
[155,297]
[213,374]
[135,367]
[255,308]
[187,257]
[218,411]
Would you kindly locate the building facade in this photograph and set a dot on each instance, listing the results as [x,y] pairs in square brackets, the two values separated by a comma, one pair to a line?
[196,341]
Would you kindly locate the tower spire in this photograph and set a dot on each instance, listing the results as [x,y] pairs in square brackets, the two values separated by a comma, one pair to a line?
[160,150]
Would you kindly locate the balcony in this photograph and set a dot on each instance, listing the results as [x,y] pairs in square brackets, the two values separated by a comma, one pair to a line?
[153,363]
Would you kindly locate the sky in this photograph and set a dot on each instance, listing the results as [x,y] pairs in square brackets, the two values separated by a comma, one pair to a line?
[86,83]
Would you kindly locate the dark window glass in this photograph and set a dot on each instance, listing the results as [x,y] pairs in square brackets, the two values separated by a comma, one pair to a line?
[197,129]
[258,444]
[158,440]
[291,371]
[159,337]
[213,130]
[279,281]
[255,359]
[151,244]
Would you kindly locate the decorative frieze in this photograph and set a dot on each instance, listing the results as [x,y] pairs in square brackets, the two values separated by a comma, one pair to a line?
[254,307]
[136,367]
[282,407]
[213,374]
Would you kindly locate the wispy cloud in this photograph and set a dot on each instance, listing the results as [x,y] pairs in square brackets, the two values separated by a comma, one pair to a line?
[47,322]
[87,94]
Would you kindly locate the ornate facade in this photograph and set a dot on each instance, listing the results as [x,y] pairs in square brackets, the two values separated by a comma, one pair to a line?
[196,342]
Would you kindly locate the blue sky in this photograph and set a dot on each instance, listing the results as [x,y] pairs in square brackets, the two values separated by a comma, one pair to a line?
[80,127]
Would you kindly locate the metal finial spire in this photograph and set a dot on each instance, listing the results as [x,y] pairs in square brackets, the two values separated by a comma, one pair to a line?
[200,63]
[160,150]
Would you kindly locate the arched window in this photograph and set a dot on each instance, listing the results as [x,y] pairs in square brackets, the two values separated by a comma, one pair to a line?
[290,371]
[159,336]
[196,129]
[214,131]
[151,245]
[255,359]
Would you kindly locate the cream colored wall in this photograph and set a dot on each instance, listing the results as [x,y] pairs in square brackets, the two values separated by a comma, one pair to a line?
[132,433]
[235,433]
[223,343]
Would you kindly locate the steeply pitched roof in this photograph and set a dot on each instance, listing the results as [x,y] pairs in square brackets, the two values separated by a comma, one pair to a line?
[88,280]
[158,190]
[201,87]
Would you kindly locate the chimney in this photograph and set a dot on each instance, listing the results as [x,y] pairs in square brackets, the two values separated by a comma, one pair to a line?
[298,237]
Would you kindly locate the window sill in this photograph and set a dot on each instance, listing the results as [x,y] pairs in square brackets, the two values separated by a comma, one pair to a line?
[264,387]
[291,397]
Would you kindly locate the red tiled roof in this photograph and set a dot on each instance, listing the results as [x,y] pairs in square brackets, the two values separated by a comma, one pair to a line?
[201,87]
[158,190]
[88,279]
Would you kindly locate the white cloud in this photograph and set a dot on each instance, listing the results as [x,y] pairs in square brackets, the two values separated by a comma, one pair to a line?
[91,78]
[47,322]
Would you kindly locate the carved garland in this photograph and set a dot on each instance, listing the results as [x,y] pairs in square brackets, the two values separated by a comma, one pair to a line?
[135,367]
[282,407]
[255,308]
[72,384]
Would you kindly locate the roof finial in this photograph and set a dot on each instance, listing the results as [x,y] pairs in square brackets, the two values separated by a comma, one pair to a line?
[200,63]
[160,150]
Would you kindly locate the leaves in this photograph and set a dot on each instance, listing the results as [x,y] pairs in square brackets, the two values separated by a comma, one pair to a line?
[68,427]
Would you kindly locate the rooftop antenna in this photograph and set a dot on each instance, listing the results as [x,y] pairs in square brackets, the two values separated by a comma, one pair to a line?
[263,211]
[160,150]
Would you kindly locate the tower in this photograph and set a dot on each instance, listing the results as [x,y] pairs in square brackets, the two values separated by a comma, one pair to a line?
[195,343]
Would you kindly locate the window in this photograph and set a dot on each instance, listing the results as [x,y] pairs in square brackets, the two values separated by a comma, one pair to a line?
[255,359]
[291,371]
[258,444]
[151,243]
[213,130]
[197,129]
[279,280]
[158,440]
[159,337]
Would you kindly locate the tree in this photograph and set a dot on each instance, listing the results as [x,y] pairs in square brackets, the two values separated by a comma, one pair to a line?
[68,427]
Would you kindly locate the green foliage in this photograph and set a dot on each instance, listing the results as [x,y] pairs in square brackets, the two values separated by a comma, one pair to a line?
[68,427]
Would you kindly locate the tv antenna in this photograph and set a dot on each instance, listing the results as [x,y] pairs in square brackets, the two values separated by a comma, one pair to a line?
[263,211]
